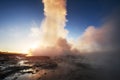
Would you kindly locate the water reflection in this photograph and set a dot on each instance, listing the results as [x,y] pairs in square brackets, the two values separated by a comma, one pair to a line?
[27,68]
[28,74]
[25,63]
[24,70]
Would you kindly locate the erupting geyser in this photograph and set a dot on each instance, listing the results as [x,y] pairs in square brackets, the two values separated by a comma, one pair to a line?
[52,27]
[53,32]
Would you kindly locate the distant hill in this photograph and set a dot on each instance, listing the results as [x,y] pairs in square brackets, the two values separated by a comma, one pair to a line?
[11,54]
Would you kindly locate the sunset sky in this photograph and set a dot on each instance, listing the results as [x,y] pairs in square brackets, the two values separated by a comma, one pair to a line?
[18,17]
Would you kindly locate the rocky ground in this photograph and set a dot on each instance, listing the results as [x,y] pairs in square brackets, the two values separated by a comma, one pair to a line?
[20,67]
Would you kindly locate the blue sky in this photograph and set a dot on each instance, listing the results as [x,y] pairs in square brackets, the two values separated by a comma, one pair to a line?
[18,16]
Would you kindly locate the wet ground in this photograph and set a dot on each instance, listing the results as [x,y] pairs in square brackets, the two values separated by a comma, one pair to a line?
[46,68]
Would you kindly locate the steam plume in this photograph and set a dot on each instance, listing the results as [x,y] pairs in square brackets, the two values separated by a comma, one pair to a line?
[52,27]
[104,38]
[53,32]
